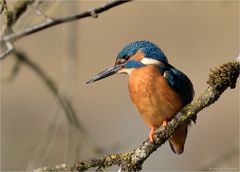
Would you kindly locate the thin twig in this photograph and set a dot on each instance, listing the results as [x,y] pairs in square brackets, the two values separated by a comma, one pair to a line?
[70,70]
[40,12]
[13,73]
[3,6]
[45,143]
[65,104]
[219,80]
[55,120]
[11,18]
[9,47]
[19,9]
[49,23]
[7,15]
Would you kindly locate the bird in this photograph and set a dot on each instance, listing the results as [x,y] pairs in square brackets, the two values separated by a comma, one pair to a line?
[157,89]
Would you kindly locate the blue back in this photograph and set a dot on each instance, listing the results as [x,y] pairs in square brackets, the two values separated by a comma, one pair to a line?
[179,82]
[149,49]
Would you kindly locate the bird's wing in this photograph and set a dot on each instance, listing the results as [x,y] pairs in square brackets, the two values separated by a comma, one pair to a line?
[180,83]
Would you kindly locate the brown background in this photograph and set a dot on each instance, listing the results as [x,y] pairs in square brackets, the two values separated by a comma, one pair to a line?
[194,35]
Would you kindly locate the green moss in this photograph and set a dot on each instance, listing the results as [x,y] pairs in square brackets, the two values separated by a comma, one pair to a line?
[224,76]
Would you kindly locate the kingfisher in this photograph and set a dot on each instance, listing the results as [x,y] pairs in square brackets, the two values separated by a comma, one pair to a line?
[157,89]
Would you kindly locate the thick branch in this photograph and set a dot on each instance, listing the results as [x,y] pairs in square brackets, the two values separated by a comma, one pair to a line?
[219,80]
[52,22]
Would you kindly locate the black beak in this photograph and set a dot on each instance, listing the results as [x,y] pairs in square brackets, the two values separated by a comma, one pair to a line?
[108,72]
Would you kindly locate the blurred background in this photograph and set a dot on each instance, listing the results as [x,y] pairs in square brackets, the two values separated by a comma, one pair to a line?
[195,36]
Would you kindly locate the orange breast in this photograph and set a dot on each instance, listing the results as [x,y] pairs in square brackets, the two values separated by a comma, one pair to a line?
[152,96]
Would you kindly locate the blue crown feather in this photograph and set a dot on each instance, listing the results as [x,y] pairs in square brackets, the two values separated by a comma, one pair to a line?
[149,49]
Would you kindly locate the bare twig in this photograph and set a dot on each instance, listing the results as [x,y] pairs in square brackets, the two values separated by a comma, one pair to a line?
[9,47]
[7,16]
[219,80]
[11,18]
[49,23]
[45,143]
[3,5]
[55,120]
[19,8]
[13,73]
[65,104]
[73,143]
[40,12]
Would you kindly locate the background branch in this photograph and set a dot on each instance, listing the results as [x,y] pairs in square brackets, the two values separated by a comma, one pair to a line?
[65,104]
[219,80]
[76,130]
[18,10]
[52,22]
[45,146]
[13,72]
[11,17]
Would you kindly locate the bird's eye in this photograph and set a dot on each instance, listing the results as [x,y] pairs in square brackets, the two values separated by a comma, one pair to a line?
[122,60]
[126,57]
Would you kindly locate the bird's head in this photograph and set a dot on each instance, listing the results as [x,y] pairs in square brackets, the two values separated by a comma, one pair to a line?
[135,55]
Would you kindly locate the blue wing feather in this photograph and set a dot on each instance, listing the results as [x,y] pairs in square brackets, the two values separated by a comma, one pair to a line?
[179,82]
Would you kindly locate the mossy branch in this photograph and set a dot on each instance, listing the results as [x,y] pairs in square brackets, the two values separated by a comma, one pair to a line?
[219,80]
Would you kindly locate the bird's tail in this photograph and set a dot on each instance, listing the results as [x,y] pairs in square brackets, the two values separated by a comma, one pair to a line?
[178,139]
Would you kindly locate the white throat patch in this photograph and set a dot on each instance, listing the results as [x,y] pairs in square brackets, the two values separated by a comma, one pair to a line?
[124,70]
[148,61]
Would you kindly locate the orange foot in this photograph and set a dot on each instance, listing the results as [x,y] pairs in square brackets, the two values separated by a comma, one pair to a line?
[151,134]
[165,123]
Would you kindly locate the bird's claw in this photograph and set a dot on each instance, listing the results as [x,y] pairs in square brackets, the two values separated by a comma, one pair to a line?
[165,123]
[151,135]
